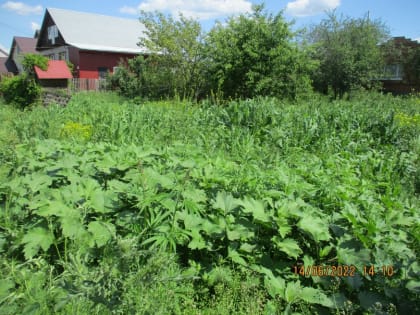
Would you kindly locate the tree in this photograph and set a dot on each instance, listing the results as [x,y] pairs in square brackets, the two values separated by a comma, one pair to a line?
[348,52]
[254,54]
[176,50]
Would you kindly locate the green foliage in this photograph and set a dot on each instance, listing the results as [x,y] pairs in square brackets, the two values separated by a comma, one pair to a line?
[254,54]
[20,91]
[174,63]
[348,52]
[145,78]
[31,60]
[204,209]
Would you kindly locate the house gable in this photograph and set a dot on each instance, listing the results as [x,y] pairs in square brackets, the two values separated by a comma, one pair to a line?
[87,31]
[20,47]
[49,35]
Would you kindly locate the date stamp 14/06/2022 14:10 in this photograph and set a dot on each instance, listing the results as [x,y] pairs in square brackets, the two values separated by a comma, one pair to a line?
[342,271]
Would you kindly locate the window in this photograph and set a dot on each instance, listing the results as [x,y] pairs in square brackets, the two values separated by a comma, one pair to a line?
[62,56]
[51,57]
[52,33]
[393,72]
[102,71]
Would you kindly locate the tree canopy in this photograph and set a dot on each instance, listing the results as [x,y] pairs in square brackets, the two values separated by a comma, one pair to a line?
[348,52]
[254,54]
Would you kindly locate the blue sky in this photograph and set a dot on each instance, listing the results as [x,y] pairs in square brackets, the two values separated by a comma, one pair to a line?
[22,17]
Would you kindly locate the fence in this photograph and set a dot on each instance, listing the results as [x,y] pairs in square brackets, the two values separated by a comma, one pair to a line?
[78,84]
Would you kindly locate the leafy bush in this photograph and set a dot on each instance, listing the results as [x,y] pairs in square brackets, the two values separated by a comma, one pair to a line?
[348,52]
[145,78]
[254,55]
[20,91]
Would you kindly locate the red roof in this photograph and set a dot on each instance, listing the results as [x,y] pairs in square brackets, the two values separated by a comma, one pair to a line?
[57,69]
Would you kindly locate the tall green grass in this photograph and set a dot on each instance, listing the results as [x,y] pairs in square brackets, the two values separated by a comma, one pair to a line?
[175,207]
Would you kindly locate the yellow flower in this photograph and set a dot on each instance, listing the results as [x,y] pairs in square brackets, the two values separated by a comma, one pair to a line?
[77,131]
[404,120]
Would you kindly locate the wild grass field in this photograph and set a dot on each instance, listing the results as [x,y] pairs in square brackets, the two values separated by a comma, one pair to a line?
[251,207]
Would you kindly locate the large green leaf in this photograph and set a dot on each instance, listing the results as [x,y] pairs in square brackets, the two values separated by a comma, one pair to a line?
[413,286]
[288,246]
[284,227]
[154,178]
[275,285]
[292,293]
[196,195]
[72,227]
[225,202]
[316,227]
[52,208]
[236,257]
[35,239]
[353,256]
[256,208]
[316,296]
[197,241]
[101,201]
[102,232]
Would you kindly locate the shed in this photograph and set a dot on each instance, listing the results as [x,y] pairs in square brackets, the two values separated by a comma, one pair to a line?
[56,76]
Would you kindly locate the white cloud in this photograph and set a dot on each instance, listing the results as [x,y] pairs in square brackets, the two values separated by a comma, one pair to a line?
[202,10]
[22,8]
[129,10]
[310,7]
[417,39]
[35,26]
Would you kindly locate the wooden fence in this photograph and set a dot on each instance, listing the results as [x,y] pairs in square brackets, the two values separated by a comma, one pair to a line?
[78,84]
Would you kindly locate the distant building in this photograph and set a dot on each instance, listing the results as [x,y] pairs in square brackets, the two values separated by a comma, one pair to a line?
[12,64]
[402,70]
[93,43]
[20,47]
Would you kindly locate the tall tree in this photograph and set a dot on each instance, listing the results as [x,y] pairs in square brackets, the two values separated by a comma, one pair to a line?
[348,52]
[176,49]
[254,54]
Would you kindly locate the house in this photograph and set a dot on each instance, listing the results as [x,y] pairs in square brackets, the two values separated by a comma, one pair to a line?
[55,76]
[95,44]
[401,74]
[20,47]
[12,63]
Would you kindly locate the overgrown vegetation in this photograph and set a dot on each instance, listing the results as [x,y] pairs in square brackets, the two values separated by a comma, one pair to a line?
[22,90]
[255,54]
[348,52]
[112,208]
[250,55]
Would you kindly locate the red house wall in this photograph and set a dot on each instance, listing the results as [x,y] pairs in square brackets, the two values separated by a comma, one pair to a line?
[91,61]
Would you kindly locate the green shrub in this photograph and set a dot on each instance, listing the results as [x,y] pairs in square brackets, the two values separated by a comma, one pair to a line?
[20,91]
